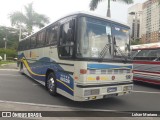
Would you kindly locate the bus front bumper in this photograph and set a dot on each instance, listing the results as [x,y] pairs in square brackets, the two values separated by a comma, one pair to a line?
[94,92]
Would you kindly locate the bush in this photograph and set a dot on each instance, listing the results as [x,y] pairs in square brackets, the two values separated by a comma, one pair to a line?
[11,54]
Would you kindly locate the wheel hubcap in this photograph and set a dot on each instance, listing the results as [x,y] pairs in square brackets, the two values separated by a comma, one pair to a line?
[51,84]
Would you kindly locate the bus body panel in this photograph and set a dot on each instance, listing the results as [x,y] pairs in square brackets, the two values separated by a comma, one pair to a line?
[147,71]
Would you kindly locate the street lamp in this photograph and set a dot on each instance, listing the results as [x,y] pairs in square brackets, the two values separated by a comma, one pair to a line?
[5,46]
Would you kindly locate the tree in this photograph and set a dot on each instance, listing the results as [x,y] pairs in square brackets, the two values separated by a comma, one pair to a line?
[136,42]
[11,35]
[29,19]
[94,3]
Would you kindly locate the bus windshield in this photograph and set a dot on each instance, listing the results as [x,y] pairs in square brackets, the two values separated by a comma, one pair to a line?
[95,35]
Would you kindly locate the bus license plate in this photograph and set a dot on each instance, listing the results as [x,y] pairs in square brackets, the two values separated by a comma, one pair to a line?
[111,89]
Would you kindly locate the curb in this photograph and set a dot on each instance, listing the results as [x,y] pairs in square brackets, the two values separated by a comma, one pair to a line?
[3,64]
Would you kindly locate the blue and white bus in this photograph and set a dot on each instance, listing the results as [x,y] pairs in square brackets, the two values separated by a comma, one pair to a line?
[80,56]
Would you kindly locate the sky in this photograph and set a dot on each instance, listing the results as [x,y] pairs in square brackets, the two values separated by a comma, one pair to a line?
[55,9]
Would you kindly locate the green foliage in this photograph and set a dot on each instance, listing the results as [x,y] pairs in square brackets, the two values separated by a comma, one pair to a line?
[11,53]
[94,3]
[29,19]
[12,36]
[6,62]
[136,42]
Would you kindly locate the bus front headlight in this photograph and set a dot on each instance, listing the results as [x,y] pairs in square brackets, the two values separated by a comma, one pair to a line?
[91,92]
[126,88]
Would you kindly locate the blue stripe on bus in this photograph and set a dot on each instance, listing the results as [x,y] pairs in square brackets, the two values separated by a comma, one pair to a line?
[105,66]
[38,70]
[62,85]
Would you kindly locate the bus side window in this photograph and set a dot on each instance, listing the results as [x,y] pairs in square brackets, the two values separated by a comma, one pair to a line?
[40,38]
[33,41]
[51,35]
[28,43]
[66,40]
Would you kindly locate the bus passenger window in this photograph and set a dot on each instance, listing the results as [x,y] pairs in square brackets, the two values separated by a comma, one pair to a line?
[33,41]
[65,41]
[40,38]
[51,36]
[28,43]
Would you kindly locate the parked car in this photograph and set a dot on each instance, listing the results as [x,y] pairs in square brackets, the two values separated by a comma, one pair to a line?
[15,59]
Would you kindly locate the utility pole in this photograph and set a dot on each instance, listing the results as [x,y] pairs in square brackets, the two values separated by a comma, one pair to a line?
[5,47]
[20,32]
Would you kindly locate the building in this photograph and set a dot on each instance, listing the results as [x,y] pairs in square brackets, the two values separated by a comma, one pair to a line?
[135,20]
[151,21]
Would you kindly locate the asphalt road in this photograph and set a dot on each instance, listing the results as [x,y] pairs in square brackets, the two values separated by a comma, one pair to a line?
[19,88]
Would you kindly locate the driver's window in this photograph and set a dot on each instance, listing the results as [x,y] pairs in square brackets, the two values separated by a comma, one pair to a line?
[64,31]
[66,43]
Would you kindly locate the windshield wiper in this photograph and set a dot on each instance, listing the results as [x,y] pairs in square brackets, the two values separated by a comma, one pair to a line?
[120,51]
[117,48]
[106,48]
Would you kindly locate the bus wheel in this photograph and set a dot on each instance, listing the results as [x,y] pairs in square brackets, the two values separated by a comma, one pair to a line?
[51,84]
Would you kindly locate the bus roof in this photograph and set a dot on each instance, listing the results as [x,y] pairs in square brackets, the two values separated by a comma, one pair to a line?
[146,46]
[83,13]
[96,15]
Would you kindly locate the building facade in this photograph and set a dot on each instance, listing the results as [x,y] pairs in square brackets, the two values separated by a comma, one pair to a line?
[151,22]
[135,20]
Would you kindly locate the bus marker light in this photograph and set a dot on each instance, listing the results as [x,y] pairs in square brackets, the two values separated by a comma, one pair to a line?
[76,78]
[97,78]
[83,71]
[113,77]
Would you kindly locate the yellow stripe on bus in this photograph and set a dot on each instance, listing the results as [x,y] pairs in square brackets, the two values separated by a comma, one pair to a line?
[29,69]
[65,84]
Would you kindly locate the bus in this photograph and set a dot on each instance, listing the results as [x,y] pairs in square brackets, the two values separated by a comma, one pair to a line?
[146,65]
[81,56]
[136,48]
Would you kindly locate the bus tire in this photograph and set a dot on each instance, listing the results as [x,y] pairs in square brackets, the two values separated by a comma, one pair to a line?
[51,84]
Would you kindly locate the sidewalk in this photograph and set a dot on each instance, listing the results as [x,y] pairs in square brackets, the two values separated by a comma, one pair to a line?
[9,66]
